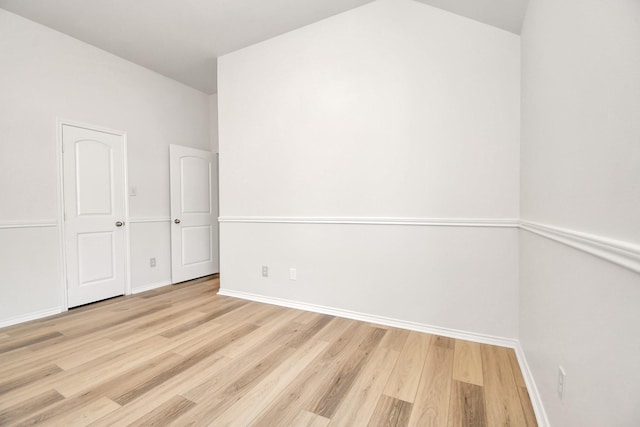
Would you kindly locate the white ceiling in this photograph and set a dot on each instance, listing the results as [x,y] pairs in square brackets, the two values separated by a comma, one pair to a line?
[182,39]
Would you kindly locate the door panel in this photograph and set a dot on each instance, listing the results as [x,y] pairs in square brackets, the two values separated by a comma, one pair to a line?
[93,178]
[192,240]
[93,181]
[196,185]
[196,244]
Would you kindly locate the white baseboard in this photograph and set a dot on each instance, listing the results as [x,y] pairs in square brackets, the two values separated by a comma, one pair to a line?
[534,394]
[536,402]
[150,287]
[30,316]
[371,318]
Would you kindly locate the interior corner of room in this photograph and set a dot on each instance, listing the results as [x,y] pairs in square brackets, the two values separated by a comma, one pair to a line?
[394,163]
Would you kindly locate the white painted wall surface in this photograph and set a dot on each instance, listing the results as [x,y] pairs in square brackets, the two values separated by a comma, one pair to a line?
[45,75]
[581,116]
[392,109]
[435,276]
[396,110]
[581,171]
[30,265]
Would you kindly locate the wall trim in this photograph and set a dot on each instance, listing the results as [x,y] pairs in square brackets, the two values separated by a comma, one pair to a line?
[29,224]
[30,316]
[619,252]
[441,222]
[371,318]
[532,388]
[150,286]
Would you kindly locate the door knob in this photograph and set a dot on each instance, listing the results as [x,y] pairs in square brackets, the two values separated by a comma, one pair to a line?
[119,223]
[177,221]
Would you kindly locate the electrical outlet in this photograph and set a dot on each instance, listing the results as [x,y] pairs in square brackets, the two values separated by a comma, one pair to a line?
[152,262]
[293,274]
[562,379]
[265,271]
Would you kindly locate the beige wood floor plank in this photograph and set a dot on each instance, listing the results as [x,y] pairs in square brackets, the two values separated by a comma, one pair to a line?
[404,379]
[515,368]
[72,407]
[329,397]
[306,316]
[527,407]
[225,394]
[395,339]
[444,342]
[467,362]
[431,406]
[308,419]
[335,329]
[19,343]
[523,393]
[209,390]
[165,391]
[135,382]
[108,365]
[502,399]
[86,414]
[297,395]
[247,313]
[308,330]
[49,354]
[165,413]
[189,342]
[26,378]
[390,412]
[205,352]
[246,363]
[360,402]
[249,406]
[161,321]
[13,414]
[105,319]
[467,405]
[201,319]
[277,340]
[280,326]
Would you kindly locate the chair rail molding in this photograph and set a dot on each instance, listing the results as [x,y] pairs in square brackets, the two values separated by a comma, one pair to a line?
[37,223]
[624,254]
[436,222]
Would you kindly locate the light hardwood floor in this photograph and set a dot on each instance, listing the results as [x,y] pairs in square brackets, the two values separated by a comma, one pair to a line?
[183,355]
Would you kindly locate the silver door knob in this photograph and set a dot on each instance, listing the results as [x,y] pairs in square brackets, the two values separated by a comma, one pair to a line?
[177,221]
[119,223]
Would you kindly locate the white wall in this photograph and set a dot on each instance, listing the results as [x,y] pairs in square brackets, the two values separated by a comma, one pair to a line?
[581,172]
[45,75]
[393,110]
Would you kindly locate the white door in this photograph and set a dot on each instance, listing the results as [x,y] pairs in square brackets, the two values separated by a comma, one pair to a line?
[94,210]
[193,247]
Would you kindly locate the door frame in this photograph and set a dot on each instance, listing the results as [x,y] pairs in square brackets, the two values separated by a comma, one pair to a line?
[61,231]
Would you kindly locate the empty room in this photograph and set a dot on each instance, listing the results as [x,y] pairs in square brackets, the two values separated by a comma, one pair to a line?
[320,213]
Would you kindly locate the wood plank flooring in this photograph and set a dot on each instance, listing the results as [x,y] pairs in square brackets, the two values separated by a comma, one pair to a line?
[183,355]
